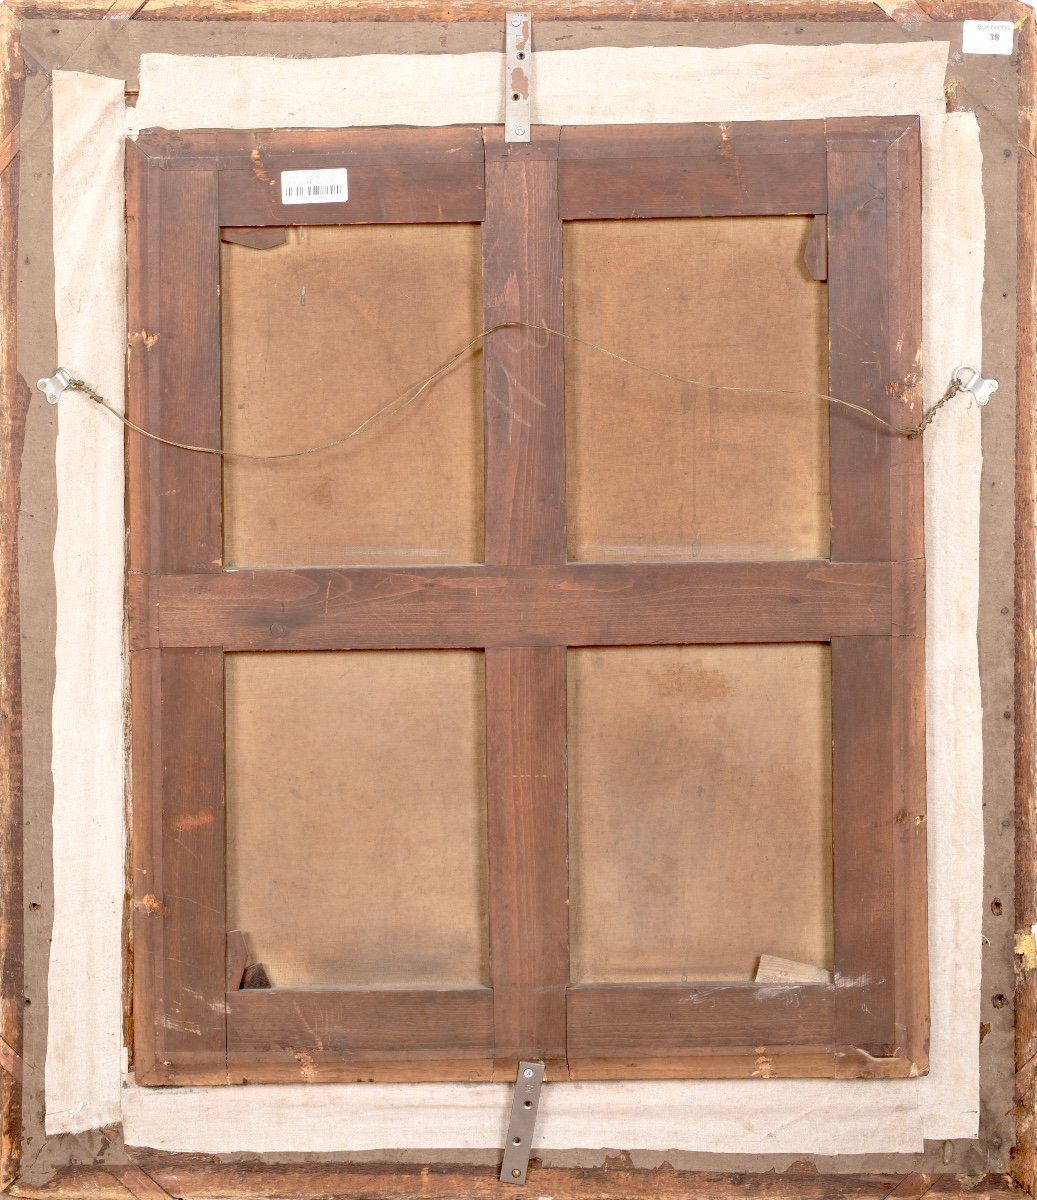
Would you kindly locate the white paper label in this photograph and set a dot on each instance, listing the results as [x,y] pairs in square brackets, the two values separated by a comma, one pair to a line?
[987,37]
[315,187]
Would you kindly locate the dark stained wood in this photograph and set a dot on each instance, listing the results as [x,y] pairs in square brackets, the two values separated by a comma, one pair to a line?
[581,604]
[390,192]
[1024,1161]
[177,697]
[526,604]
[815,254]
[178,865]
[298,149]
[910,891]
[780,139]
[874,290]
[527,832]
[395,175]
[525,417]
[765,1062]
[258,238]
[864,776]
[237,959]
[606,1020]
[174,369]
[874,243]
[329,1025]
[736,169]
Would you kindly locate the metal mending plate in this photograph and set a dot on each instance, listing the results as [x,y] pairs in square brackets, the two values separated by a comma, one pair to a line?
[522,1123]
[518,46]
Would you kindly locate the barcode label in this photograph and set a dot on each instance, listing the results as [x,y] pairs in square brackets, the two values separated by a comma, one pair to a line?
[987,37]
[315,187]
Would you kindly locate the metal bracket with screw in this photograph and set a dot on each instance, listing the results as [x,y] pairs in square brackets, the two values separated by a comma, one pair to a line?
[518,45]
[522,1123]
[970,380]
[53,387]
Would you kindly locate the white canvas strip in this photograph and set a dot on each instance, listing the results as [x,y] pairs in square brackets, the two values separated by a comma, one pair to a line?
[569,87]
[84,1034]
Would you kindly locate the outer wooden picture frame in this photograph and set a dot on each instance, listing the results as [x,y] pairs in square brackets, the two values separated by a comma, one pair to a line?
[180,1174]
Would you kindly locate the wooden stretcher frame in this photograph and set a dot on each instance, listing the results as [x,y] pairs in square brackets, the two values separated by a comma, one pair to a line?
[867,600]
[186,1177]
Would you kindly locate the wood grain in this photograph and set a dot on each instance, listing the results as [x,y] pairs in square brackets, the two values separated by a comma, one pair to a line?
[174,369]
[177,697]
[178,865]
[1024,1161]
[395,175]
[907,734]
[255,237]
[864,774]
[816,254]
[328,1025]
[584,604]
[874,288]
[736,169]
[386,192]
[15,398]
[528,845]
[525,417]
[526,605]
[248,150]
[658,1019]
[617,1179]
[874,242]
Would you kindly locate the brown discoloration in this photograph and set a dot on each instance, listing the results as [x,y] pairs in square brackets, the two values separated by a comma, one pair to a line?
[15,397]
[258,169]
[815,254]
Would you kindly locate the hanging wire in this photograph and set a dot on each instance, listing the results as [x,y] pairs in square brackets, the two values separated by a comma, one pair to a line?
[416,390]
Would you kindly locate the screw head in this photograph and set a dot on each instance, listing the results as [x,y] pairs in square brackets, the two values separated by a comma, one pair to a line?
[520,132]
[528,1072]
[516,1173]
[516,22]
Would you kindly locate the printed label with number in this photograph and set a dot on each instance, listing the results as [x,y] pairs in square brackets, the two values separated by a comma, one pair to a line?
[987,37]
[315,187]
